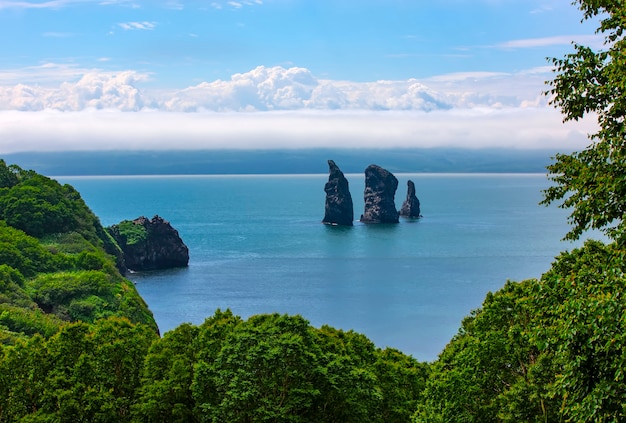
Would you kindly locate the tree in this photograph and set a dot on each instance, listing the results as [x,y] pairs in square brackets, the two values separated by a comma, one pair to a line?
[23,371]
[8,175]
[266,371]
[165,393]
[593,182]
[540,350]
[492,370]
[401,379]
[584,325]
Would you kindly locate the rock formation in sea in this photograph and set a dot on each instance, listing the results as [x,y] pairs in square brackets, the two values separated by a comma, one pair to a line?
[150,244]
[380,190]
[411,206]
[338,207]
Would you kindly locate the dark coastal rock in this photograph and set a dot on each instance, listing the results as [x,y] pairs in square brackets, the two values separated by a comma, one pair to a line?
[150,244]
[411,206]
[338,208]
[380,190]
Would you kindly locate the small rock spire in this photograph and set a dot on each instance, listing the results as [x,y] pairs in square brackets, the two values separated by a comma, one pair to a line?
[411,206]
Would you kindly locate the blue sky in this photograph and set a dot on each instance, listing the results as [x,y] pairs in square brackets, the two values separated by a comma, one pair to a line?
[283,73]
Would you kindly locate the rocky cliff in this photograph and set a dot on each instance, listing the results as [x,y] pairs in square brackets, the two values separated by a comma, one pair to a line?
[380,190]
[150,244]
[411,206]
[338,207]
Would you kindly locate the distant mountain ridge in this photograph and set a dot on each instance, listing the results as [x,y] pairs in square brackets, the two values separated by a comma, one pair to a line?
[295,161]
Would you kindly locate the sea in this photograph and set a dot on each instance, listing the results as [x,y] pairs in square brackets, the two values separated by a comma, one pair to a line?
[257,245]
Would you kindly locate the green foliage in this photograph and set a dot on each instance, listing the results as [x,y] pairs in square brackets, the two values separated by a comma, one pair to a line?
[350,391]
[268,368]
[8,175]
[593,182]
[88,295]
[25,253]
[28,321]
[12,287]
[402,380]
[586,329]
[83,373]
[23,369]
[266,371]
[275,368]
[489,358]
[38,206]
[56,258]
[547,350]
[165,393]
[130,232]
[42,207]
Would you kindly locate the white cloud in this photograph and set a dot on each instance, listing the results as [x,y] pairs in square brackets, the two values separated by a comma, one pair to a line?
[92,90]
[131,26]
[591,40]
[114,130]
[175,5]
[45,73]
[37,5]
[283,108]
[235,4]
[275,88]
[58,34]
[53,4]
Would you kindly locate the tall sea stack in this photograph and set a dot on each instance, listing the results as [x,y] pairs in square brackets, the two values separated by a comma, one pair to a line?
[338,208]
[380,190]
[411,206]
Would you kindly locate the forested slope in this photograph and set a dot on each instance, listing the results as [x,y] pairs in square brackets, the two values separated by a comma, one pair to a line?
[57,263]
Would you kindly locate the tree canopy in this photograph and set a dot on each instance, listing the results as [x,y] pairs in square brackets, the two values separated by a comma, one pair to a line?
[540,350]
[592,84]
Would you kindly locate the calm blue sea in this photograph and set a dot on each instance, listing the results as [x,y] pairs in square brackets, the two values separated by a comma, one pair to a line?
[257,246]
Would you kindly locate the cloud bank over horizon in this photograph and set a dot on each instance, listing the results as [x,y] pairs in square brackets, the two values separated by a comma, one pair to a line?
[278,88]
[276,107]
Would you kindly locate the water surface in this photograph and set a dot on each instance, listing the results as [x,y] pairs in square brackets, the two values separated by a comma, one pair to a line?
[257,246]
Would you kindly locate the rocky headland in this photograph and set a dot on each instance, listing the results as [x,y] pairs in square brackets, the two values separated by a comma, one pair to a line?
[150,244]
[338,208]
[380,190]
[411,206]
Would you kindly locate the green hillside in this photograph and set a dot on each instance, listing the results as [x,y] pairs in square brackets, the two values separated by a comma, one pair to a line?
[57,263]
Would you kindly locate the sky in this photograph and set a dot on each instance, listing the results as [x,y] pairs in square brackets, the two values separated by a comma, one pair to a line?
[260,74]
